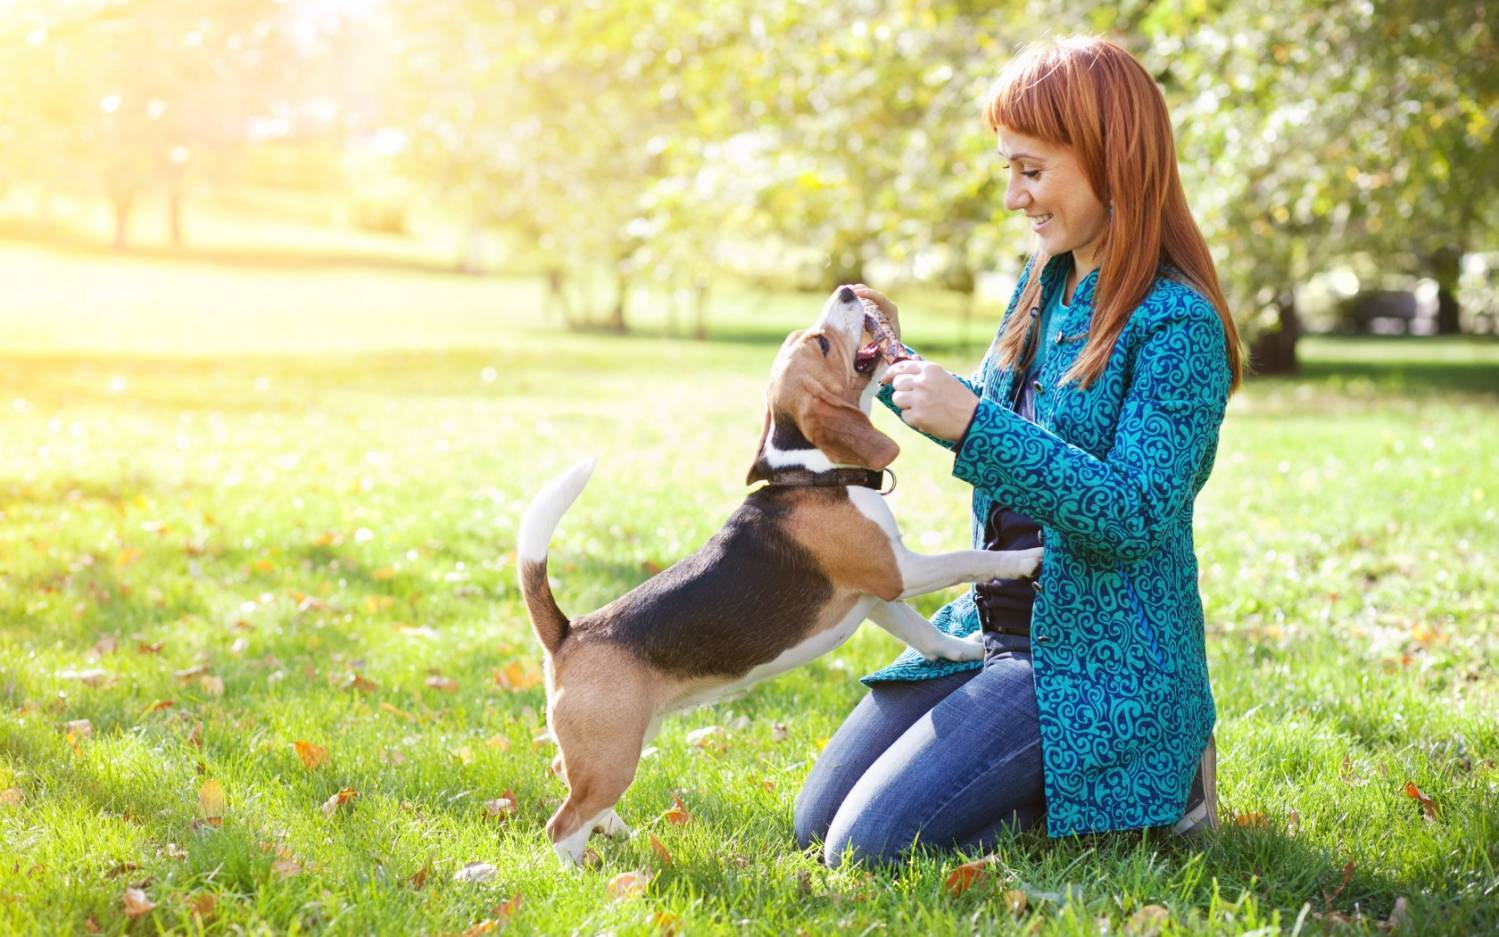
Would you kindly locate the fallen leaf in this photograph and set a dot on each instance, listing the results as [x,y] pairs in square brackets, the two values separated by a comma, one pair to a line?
[651,568]
[665,922]
[106,645]
[146,647]
[768,784]
[358,681]
[502,807]
[94,677]
[481,928]
[80,728]
[1015,901]
[285,868]
[628,885]
[312,755]
[678,813]
[1428,806]
[505,910]
[211,685]
[211,799]
[202,904]
[709,737]
[158,705]
[1148,921]
[418,879]
[398,711]
[186,676]
[476,872]
[331,805]
[966,876]
[1254,821]
[1328,899]
[12,797]
[1399,915]
[498,742]
[779,732]
[443,684]
[136,903]
[517,676]
[659,848]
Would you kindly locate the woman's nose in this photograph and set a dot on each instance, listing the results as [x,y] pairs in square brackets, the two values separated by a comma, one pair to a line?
[1014,199]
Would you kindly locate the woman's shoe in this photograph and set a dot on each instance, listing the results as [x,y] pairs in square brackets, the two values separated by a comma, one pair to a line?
[1202,799]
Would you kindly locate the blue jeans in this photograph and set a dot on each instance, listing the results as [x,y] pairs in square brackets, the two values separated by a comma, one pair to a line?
[948,763]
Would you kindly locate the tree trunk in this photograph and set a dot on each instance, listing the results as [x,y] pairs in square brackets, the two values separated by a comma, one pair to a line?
[123,202]
[557,297]
[174,215]
[616,320]
[700,308]
[472,259]
[1446,268]
[1273,351]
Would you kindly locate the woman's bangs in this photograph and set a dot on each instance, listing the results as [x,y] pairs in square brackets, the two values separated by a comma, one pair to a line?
[1028,98]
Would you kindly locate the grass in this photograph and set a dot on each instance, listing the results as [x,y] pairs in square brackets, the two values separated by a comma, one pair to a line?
[284,502]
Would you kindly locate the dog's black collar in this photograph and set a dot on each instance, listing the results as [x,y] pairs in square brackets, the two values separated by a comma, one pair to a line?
[832,478]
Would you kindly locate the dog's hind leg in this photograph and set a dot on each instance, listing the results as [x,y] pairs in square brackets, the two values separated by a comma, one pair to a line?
[600,737]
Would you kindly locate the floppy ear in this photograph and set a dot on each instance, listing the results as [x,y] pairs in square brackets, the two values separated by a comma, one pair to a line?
[844,433]
[757,472]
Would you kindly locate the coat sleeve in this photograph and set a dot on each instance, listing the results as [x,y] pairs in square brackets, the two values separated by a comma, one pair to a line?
[1121,504]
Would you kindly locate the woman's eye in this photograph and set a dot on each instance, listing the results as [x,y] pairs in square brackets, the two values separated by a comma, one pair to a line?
[1032,174]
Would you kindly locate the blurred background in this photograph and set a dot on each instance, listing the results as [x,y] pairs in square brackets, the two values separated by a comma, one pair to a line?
[625,165]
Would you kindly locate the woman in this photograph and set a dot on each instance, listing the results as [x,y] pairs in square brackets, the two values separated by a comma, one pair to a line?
[1089,429]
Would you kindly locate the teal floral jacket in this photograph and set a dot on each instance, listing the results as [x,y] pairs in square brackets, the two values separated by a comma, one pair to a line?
[1110,474]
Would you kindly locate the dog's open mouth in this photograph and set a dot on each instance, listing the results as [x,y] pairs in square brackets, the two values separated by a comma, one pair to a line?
[867,357]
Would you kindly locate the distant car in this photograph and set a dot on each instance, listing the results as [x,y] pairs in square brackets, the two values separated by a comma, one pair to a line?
[1386,312]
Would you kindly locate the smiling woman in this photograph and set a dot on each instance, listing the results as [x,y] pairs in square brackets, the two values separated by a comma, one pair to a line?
[1088,430]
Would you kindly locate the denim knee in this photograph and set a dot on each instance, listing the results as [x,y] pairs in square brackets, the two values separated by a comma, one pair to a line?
[866,839]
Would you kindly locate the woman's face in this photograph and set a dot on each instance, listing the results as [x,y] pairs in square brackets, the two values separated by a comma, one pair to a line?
[1048,184]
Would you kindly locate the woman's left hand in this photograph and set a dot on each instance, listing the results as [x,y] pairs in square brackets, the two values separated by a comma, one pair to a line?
[930,398]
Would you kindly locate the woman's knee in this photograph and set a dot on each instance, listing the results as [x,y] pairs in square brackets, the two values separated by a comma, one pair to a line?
[869,837]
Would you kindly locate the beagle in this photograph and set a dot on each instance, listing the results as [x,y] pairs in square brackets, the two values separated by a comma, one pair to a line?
[795,570]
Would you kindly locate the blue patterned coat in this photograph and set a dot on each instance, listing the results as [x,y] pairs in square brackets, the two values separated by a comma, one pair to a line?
[1110,474]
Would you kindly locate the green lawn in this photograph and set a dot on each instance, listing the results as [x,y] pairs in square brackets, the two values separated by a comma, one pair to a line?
[243,506]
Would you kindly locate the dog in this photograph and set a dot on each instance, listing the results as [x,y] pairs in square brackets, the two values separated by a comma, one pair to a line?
[791,575]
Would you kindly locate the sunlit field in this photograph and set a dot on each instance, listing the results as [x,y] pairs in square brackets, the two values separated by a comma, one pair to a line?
[264,667]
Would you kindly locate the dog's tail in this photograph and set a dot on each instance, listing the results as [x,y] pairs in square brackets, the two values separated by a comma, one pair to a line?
[536,528]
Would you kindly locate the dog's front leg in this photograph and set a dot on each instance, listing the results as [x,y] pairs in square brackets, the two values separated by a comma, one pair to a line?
[920,574]
[922,636]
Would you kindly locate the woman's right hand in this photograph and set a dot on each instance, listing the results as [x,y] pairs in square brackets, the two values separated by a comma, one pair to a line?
[886,307]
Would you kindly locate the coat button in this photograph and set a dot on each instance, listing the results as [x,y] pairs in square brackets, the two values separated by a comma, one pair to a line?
[1042,639]
[1040,538]
[1036,584]
[1036,386]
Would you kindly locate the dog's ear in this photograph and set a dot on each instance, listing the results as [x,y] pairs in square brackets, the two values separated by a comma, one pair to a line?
[759,468]
[844,433]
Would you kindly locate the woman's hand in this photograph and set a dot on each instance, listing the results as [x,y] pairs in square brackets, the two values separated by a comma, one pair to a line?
[931,399]
[886,307]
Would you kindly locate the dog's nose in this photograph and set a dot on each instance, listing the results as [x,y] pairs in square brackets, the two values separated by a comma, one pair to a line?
[846,295]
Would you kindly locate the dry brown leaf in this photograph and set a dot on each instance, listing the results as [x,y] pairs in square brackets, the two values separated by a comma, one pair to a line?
[502,807]
[94,677]
[79,728]
[1015,901]
[517,676]
[418,879]
[442,684]
[709,738]
[157,706]
[187,675]
[147,647]
[498,742]
[768,784]
[358,681]
[488,926]
[779,732]
[285,868]
[1400,916]
[398,711]
[1147,921]
[1254,821]
[659,848]
[313,756]
[331,805]
[966,876]
[202,904]
[476,872]
[628,885]
[12,797]
[678,814]
[505,910]
[136,903]
[212,799]
[1428,806]
[665,922]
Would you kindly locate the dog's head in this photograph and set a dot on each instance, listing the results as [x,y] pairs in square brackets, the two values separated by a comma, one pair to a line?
[821,387]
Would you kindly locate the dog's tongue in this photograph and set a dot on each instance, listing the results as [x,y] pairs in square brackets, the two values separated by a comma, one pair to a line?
[865,357]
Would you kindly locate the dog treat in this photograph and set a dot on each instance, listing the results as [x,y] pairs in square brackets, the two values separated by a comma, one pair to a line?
[884,342]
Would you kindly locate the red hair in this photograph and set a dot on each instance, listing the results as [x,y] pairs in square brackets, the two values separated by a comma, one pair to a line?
[1092,97]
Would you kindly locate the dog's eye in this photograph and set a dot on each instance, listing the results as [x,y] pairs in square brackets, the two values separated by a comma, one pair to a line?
[822,342]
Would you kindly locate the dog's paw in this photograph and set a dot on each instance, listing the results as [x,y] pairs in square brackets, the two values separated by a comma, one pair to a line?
[1019,564]
[951,648]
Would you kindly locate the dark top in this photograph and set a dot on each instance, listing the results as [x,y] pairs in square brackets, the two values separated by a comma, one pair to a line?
[1007,602]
